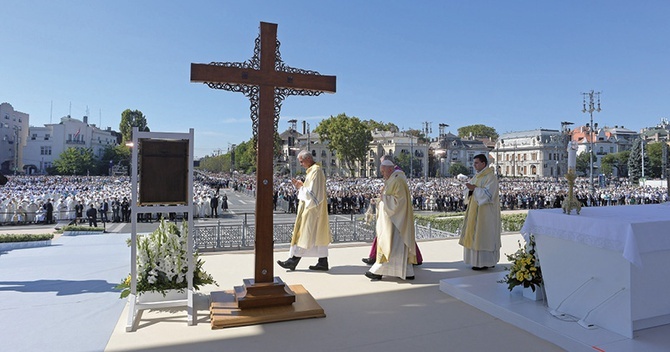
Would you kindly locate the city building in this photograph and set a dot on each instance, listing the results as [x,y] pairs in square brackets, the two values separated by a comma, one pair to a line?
[657,133]
[14,132]
[603,141]
[401,145]
[45,144]
[449,149]
[535,153]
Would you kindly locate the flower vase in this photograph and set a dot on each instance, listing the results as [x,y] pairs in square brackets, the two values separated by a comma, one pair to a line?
[538,295]
[170,295]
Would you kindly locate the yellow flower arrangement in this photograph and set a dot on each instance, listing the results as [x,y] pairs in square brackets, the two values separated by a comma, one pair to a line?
[525,270]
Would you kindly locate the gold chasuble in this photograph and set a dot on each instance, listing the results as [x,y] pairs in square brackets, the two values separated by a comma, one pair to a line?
[394,212]
[311,223]
[481,226]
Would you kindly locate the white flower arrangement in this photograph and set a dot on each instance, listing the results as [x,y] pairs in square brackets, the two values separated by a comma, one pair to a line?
[162,263]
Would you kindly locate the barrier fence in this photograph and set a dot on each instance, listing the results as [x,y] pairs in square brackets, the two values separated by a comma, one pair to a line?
[221,237]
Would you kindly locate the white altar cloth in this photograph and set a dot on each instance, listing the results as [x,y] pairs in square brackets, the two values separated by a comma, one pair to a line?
[631,230]
[608,266]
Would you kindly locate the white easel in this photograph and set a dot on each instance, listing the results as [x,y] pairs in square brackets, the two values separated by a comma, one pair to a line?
[135,309]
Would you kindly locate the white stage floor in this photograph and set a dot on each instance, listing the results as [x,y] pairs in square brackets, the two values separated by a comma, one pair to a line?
[484,293]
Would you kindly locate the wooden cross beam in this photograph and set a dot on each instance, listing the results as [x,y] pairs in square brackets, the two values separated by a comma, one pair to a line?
[273,85]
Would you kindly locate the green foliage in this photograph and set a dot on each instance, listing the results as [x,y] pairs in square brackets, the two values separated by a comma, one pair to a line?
[130,119]
[478,130]
[655,152]
[458,168]
[245,157]
[615,161]
[162,262]
[451,222]
[348,137]
[216,163]
[75,161]
[583,164]
[22,237]
[380,126]
[513,222]
[524,270]
[410,167]
[118,155]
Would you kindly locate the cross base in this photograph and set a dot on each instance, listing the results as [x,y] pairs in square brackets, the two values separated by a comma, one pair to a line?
[253,295]
[224,312]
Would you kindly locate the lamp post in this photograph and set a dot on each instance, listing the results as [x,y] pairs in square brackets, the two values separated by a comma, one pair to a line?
[231,150]
[411,156]
[442,143]
[497,160]
[556,157]
[590,109]
[17,141]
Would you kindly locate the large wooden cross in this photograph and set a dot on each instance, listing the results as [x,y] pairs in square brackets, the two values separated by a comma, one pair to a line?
[266,81]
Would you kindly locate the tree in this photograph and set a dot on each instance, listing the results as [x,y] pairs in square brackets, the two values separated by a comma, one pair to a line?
[478,131]
[615,162]
[216,163]
[245,157]
[635,162]
[655,152]
[583,166]
[413,168]
[119,154]
[75,161]
[348,137]
[607,163]
[130,119]
[380,126]
[458,168]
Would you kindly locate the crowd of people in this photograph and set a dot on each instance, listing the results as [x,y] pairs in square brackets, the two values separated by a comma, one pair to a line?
[49,199]
[352,195]
[69,199]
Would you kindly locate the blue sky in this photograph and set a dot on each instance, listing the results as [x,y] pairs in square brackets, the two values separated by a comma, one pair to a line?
[511,65]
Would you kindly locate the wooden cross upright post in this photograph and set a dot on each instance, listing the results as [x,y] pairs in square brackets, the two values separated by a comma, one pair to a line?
[266,81]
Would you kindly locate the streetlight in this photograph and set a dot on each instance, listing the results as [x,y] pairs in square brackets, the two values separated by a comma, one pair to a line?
[231,150]
[442,143]
[591,108]
[17,141]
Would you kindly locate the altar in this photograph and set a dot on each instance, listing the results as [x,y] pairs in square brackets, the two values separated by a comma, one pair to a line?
[608,267]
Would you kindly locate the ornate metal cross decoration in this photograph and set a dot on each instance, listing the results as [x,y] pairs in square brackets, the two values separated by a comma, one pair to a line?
[266,81]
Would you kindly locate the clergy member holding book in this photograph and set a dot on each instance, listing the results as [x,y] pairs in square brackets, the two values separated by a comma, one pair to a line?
[311,232]
[396,242]
[480,236]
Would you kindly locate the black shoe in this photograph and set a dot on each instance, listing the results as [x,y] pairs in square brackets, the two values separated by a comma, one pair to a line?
[373,277]
[479,268]
[369,261]
[322,265]
[318,267]
[409,277]
[289,263]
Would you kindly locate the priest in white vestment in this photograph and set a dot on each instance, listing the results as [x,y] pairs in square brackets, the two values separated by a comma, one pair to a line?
[311,232]
[480,235]
[396,242]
